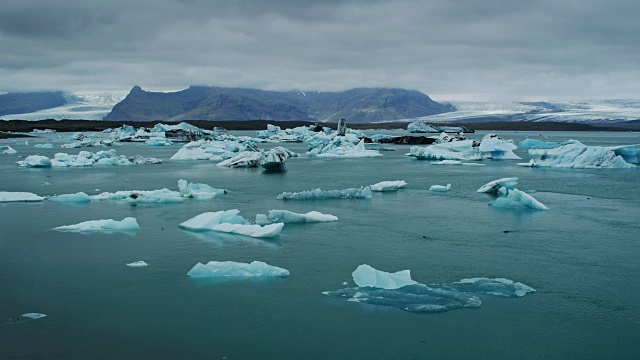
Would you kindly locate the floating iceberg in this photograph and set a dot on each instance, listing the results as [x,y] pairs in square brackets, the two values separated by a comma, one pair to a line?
[8,150]
[230,222]
[138,196]
[6,196]
[346,149]
[495,185]
[286,217]
[498,148]
[274,159]
[447,162]
[518,199]
[76,198]
[213,150]
[440,188]
[45,131]
[84,158]
[243,159]
[388,185]
[128,224]
[158,141]
[34,316]
[198,191]
[35,161]
[579,156]
[317,194]
[377,288]
[366,275]
[43,146]
[141,160]
[539,144]
[454,148]
[235,269]
[137,264]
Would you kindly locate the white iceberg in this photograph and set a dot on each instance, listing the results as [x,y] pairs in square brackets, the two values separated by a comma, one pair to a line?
[440,188]
[76,198]
[138,196]
[34,316]
[388,185]
[35,161]
[366,275]
[128,224]
[497,287]
[235,269]
[318,194]
[85,158]
[243,159]
[8,150]
[141,160]
[198,191]
[498,148]
[274,159]
[455,150]
[517,199]
[447,162]
[6,196]
[230,222]
[158,141]
[286,217]
[137,264]
[213,150]
[539,144]
[493,186]
[43,146]
[579,156]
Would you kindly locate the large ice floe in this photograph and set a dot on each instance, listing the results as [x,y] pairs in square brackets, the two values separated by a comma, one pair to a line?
[234,269]
[285,216]
[85,158]
[347,146]
[448,148]
[509,196]
[229,221]
[318,194]
[388,185]
[6,196]
[576,155]
[400,291]
[127,225]
[6,149]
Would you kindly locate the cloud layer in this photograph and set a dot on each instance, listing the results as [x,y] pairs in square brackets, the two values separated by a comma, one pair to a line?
[467,49]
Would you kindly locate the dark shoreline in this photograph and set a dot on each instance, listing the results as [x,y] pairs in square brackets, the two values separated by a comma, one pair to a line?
[25,126]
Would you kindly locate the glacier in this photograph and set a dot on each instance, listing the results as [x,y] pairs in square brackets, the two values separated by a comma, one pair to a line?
[576,155]
[229,221]
[318,194]
[377,288]
[127,225]
[6,196]
[235,269]
[388,185]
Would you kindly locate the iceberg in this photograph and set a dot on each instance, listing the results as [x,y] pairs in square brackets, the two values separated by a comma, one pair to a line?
[235,269]
[340,148]
[138,196]
[447,162]
[243,159]
[158,141]
[198,191]
[84,158]
[230,222]
[579,156]
[137,264]
[317,194]
[493,186]
[455,150]
[379,288]
[35,161]
[365,275]
[43,146]
[213,150]
[539,144]
[274,159]
[34,316]
[286,217]
[498,148]
[76,198]
[517,199]
[128,224]
[141,160]
[440,188]
[45,131]
[8,150]
[6,196]
[388,185]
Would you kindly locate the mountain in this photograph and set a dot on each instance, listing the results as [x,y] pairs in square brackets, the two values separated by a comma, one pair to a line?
[22,103]
[216,103]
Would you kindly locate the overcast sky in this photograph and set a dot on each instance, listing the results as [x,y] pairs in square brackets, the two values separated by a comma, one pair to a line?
[448,49]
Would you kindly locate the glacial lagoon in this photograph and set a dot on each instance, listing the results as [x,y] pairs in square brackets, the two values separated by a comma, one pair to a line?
[581,257]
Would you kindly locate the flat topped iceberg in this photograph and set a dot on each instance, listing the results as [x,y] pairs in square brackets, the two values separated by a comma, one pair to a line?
[230,222]
[198,191]
[493,186]
[43,146]
[286,217]
[6,196]
[517,199]
[440,188]
[366,275]
[76,198]
[317,194]
[35,161]
[339,147]
[158,141]
[539,144]
[137,264]
[388,185]
[455,150]
[128,224]
[85,158]
[235,269]
[138,196]
[34,316]
[375,287]
[579,156]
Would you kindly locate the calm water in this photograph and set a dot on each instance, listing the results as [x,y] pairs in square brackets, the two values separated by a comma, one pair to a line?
[581,256]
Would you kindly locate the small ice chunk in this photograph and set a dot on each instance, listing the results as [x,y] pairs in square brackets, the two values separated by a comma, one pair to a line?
[230,222]
[440,188]
[318,194]
[517,199]
[43,146]
[498,287]
[6,196]
[6,149]
[126,225]
[493,186]
[388,185]
[137,264]
[77,197]
[235,269]
[34,315]
[285,216]
[198,191]
[366,275]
